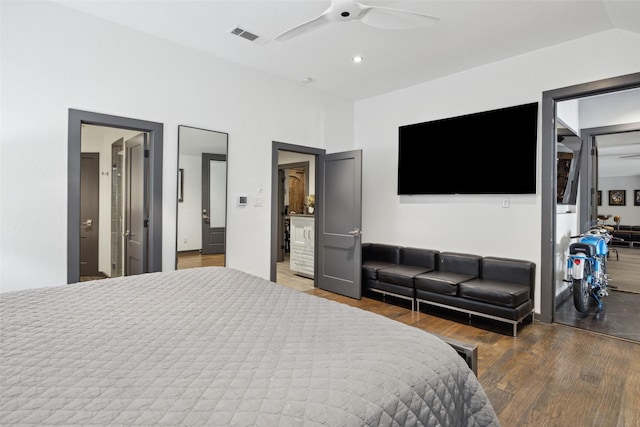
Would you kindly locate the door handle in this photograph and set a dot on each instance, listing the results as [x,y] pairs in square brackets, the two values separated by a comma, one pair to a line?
[205,217]
[355,233]
[87,223]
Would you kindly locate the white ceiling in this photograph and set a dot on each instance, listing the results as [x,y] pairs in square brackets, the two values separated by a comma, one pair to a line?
[469,34]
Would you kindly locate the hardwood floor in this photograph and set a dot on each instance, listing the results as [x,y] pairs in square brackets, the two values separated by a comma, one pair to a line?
[193,259]
[550,375]
[286,277]
[624,269]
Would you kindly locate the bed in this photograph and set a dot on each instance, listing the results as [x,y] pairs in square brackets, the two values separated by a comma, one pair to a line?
[219,347]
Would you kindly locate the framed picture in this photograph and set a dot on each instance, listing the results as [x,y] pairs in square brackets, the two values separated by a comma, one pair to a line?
[636,197]
[617,197]
[599,197]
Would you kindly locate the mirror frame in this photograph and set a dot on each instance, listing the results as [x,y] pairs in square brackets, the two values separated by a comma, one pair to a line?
[180,173]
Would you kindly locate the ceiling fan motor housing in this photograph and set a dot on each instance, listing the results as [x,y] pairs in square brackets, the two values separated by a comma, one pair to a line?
[344,10]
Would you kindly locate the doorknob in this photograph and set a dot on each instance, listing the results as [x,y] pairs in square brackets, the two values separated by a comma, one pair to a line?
[87,223]
[356,232]
[205,217]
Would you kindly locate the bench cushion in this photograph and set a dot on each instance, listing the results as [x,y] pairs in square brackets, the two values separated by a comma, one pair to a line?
[381,252]
[419,257]
[400,274]
[454,262]
[370,268]
[509,270]
[506,294]
[441,282]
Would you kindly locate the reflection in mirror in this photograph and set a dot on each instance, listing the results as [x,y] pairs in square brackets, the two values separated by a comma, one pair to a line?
[202,198]
[569,149]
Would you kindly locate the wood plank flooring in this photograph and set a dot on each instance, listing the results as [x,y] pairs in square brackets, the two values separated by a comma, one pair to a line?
[286,277]
[550,375]
[193,259]
[624,269]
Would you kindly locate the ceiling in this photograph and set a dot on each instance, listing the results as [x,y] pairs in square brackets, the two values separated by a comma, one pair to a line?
[469,34]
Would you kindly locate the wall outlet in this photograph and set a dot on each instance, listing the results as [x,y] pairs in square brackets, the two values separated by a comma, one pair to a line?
[185,240]
[505,203]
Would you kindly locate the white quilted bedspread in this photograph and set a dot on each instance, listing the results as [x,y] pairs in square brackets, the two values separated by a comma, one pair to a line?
[219,347]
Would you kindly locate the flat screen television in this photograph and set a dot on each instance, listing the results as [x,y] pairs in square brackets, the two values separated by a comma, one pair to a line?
[492,152]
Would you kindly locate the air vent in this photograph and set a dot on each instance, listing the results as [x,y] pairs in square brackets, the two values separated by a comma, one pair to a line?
[245,34]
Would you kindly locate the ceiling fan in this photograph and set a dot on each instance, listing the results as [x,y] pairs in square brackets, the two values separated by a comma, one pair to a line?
[352,10]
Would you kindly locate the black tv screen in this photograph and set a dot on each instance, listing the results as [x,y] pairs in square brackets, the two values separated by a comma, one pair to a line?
[492,152]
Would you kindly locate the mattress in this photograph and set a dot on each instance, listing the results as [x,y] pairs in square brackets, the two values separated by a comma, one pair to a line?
[219,347]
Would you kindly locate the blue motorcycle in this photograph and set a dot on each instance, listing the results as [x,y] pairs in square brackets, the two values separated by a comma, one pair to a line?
[587,268]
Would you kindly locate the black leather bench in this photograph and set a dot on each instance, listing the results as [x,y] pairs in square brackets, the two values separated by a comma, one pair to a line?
[497,288]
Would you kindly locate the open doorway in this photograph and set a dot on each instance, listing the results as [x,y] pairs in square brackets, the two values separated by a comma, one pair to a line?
[142,245]
[585,209]
[335,234]
[296,250]
[113,202]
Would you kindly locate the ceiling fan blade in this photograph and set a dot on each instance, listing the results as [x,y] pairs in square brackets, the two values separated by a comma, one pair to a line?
[395,19]
[303,28]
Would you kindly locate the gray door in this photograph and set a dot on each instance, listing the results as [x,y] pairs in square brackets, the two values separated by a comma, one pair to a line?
[214,203]
[89,212]
[339,246]
[135,206]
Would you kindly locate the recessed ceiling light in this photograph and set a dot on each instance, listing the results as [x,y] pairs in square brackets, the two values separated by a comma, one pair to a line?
[307,80]
[357,59]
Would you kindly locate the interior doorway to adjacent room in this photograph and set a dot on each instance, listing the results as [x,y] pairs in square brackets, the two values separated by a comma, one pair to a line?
[128,218]
[586,207]
[296,224]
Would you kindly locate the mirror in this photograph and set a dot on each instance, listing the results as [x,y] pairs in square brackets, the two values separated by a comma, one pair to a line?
[569,149]
[201,198]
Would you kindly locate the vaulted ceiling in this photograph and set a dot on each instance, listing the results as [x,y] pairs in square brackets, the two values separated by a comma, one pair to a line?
[468,34]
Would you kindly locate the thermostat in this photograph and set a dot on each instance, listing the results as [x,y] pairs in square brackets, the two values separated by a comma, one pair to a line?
[242,200]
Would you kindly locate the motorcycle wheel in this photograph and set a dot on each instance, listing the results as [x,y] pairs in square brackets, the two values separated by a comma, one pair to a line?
[582,291]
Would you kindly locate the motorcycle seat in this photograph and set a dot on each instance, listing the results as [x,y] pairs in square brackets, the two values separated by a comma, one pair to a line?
[582,248]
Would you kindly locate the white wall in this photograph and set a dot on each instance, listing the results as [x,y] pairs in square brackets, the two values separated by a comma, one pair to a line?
[569,112]
[54,58]
[473,224]
[629,213]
